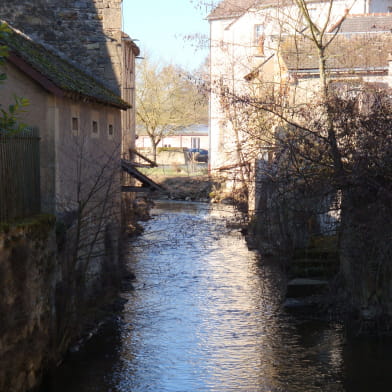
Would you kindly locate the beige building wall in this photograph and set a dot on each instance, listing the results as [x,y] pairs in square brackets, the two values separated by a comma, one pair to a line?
[40,113]
[68,156]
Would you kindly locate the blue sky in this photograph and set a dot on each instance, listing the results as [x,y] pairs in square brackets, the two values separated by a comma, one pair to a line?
[159,26]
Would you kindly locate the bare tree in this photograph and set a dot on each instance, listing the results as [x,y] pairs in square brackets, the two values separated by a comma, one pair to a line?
[88,204]
[166,100]
[331,142]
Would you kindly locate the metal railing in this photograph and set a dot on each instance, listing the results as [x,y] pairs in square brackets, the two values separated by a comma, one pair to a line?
[19,175]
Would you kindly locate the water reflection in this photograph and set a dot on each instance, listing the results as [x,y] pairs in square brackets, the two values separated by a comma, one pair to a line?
[205,315]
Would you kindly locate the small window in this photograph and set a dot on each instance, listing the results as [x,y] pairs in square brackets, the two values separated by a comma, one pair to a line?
[259,39]
[110,131]
[75,126]
[390,9]
[95,127]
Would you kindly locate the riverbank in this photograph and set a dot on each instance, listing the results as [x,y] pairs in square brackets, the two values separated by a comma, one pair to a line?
[205,314]
[188,188]
[51,300]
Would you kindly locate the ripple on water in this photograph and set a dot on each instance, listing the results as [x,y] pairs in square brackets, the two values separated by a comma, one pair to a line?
[205,316]
[213,321]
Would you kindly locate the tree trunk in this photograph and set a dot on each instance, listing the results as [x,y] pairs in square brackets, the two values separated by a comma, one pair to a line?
[154,151]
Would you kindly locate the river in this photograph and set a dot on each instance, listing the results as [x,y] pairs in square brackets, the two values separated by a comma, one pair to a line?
[205,315]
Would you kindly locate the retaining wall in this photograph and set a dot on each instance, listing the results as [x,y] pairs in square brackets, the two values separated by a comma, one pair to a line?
[46,303]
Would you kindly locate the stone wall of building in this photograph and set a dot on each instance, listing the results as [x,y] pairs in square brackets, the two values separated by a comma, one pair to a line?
[47,300]
[87,31]
[27,277]
[365,256]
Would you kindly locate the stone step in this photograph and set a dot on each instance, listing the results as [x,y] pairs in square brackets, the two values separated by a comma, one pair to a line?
[305,287]
[308,269]
[313,270]
[315,254]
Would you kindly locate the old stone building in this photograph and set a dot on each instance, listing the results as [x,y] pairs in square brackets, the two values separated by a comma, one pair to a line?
[79,122]
[72,111]
[76,68]
[89,34]
[129,51]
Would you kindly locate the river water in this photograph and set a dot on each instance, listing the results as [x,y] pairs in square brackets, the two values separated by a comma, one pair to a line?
[205,315]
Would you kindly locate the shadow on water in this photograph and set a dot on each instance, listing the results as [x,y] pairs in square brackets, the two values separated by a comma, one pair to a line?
[91,368]
[206,315]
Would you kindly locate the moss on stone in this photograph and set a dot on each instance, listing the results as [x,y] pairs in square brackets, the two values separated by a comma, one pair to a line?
[58,70]
[36,226]
[319,259]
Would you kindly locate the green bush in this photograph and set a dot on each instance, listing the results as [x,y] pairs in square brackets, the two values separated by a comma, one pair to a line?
[9,123]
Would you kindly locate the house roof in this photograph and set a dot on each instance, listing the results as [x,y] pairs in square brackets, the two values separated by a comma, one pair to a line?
[231,8]
[235,8]
[365,23]
[347,52]
[54,72]
[192,130]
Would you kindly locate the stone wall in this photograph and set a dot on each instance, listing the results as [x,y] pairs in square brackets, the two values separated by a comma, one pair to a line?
[47,299]
[366,254]
[287,217]
[27,277]
[86,31]
[279,225]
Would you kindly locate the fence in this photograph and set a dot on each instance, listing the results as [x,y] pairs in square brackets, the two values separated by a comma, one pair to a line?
[19,175]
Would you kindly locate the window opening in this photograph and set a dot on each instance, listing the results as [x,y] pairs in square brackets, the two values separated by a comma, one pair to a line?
[75,125]
[110,130]
[95,127]
[259,39]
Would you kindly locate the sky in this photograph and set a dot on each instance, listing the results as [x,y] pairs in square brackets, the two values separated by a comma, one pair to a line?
[159,26]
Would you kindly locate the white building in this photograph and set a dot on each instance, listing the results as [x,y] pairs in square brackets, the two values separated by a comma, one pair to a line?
[245,37]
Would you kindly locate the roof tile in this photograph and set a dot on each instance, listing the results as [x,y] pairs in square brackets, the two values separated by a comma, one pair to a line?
[347,51]
[366,23]
[231,8]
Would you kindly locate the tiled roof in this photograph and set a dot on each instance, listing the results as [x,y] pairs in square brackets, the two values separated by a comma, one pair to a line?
[231,8]
[346,52]
[50,66]
[366,23]
[235,8]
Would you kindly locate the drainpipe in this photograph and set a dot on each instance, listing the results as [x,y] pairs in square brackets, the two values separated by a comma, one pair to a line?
[209,108]
[390,69]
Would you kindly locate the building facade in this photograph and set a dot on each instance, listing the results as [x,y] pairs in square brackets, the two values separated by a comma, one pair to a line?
[72,262]
[194,137]
[246,38]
